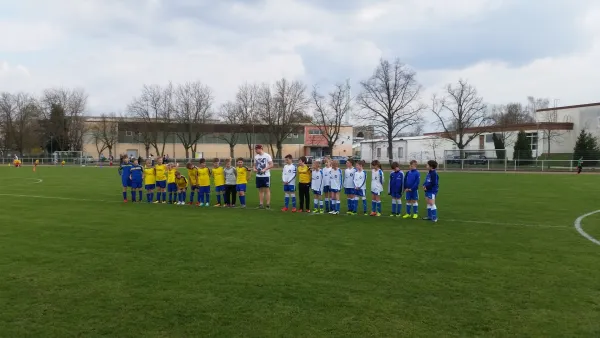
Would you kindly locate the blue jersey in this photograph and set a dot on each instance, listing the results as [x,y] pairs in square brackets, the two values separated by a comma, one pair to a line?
[396,185]
[432,182]
[136,173]
[125,170]
[412,179]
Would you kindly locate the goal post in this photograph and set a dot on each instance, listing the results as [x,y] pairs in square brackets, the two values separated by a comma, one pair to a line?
[480,159]
[70,157]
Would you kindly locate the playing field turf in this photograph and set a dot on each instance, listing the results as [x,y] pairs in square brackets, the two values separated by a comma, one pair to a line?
[504,260]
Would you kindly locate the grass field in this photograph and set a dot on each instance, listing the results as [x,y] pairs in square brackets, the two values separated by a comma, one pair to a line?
[504,260]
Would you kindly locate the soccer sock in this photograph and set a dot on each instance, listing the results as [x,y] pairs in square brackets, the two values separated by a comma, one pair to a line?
[140,195]
[192,196]
[184,196]
[320,204]
[293,201]
[337,205]
[434,212]
[416,208]
[364,204]
[315,203]
[355,201]
[158,194]
[201,197]
[327,204]
[124,195]
[148,197]
[379,206]
[218,199]
[170,197]
[164,198]
[286,200]
[243,200]
[179,197]
[133,196]
[393,206]
[408,205]
[207,198]
[429,211]
[373,205]
[349,203]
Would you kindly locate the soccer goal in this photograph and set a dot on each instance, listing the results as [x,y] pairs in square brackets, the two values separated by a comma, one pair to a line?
[70,157]
[470,159]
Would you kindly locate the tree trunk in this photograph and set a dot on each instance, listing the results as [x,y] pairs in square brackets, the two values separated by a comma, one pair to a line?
[390,149]
[330,145]
[279,150]
[231,152]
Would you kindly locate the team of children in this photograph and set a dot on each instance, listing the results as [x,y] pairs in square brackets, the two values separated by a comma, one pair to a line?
[326,183]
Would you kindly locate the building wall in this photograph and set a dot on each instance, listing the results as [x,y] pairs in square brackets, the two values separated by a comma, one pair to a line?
[421,149]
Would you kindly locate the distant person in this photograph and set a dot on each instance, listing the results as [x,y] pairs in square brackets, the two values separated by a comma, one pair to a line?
[396,188]
[412,179]
[263,163]
[288,176]
[243,175]
[230,183]
[360,187]
[376,187]
[431,187]
[137,175]
[125,173]
[218,175]
[204,174]
[580,165]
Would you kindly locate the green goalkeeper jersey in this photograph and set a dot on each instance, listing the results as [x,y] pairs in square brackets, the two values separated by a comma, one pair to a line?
[580,162]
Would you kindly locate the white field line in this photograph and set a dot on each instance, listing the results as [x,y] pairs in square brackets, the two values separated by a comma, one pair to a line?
[579,229]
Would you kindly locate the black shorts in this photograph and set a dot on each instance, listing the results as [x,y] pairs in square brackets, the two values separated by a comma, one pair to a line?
[263,182]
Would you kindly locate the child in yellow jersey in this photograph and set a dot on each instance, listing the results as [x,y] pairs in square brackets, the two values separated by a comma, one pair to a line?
[304,179]
[161,181]
[218,174]
[149,181]
[243,175]
[203,184]
[193,179]
[171,184]
[181,184]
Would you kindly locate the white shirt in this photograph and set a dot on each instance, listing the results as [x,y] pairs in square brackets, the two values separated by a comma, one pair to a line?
[326,177]
[349,178]
[317,180]
[360,179]
[335,177]
[377,181]
[289,174]
[261,162]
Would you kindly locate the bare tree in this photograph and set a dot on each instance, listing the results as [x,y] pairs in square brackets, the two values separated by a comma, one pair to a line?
[192,105]
[459,109]
[20,114]
[330,112]
[105,133]
[282,108]
[389,100]
[232,114]
[73,102]
[545,118]
[435,143]
[7,112]
[247,100]
[505,117]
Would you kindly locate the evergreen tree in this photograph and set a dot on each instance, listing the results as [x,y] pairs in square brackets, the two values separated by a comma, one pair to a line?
[586,147]
[499,146]
[522,149]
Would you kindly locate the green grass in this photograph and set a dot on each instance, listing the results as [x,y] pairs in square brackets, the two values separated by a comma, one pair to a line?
[503,261]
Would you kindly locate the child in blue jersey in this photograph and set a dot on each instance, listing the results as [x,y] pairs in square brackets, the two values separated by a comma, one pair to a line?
[336,184]
[412,180]
[431,187]
[316,185]
[137,174]
[395,189]
[360,187]
[376,187]
[349,185]
[125,172]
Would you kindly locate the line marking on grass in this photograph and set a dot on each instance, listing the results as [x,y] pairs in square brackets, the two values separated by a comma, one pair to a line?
[577,225]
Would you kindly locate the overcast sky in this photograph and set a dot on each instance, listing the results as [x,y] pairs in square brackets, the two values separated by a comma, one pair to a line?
[508,49]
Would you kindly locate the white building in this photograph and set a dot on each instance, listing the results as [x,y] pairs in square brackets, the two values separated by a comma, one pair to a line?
[405,149]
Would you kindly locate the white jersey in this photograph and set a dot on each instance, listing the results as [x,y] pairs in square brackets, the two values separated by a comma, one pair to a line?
[289,174]
[360,180]
[335,179]
[326,177]
[349,178]
[377,181]
[261,162]
[317,180]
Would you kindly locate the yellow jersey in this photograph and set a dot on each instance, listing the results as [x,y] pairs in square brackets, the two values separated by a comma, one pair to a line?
[181,182]
[304,175]
[161,172]
[203,177]
[37,162]
[193,176]
[149,175]
[219,175]
[171,175]
[242,175]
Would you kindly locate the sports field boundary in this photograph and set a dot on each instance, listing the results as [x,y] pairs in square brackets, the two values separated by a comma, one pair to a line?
[578,227]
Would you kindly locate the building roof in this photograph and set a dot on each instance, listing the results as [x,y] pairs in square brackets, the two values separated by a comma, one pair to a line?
[570,107]
[514,127]
[408,138]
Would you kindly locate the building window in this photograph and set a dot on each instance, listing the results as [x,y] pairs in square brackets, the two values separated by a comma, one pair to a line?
[533,140]
[489,138]
[315,132]
[378,152]
[400,152]
[128,133]
[294,135]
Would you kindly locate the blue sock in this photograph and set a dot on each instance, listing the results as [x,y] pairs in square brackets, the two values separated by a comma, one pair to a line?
[151,196]
[158,196]
[428,212]
[355,202]
[349,204]
[337,206]
[321,205]
[207,198]
[315,204]
[140,195]
[373,205]
[201,198]
[184,196]
[408,205]
[294,201]
[365,205]
[124,195]
[218,198]
[243,200]
[133,196]
[415,208]
[170,197]
[164,196]
[327,204]
[148,197]
[393,207]
[379,206]
[192,196]
[434,212]
[286,201]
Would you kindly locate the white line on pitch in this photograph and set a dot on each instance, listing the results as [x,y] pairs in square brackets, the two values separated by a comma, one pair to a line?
[577,225]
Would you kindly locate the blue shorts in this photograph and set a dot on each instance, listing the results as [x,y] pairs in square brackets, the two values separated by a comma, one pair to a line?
[172,187]
[289,188]
[150,186]
[161,184]
[359,192]
[240,187]
[204,189]
[262,182]
[412,195]
[349,191]
[376,193]
[194,187]
[326,189]
[136,184]
[396,195]
[126,182]
[220,188]
[334,190]
[317,192]
[430,195]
